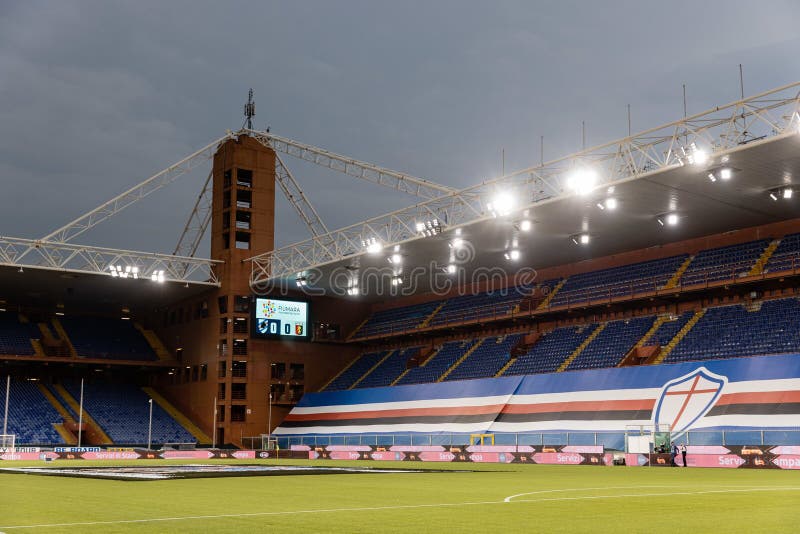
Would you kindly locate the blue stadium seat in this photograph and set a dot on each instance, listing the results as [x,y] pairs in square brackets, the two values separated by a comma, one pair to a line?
[102,337]
[730,331]
[30,414]
[122,411]
[15,336]
[617,282]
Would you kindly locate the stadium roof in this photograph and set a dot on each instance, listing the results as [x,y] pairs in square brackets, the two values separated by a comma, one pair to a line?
[48,289]
[714,171]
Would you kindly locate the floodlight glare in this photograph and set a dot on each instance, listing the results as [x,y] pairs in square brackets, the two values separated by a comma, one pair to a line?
[787,193]
[501,204]
[582,180]
[451,268]
[457,242]
[395,258]
[672,219]
[611,203]
[699,156]
[725,173]
[584,239]
[512,254]
[525,225]
[712,177]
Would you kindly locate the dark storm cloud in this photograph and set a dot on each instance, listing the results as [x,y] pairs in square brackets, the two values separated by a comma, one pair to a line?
[96,96]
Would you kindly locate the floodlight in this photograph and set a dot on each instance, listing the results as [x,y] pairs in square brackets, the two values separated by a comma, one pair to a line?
[787,193]
[301,281]
[451,268]
[699,156]
[397,280]
[512,254]
[372,245]
[725,173]
[609,204]
[773,196]
[584,239]
[525,225]
[501,204]
[712,177]
[582,180]
[457,242]
[668,219]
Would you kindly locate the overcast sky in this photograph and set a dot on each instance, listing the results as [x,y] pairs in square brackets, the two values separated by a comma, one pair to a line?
[97,96]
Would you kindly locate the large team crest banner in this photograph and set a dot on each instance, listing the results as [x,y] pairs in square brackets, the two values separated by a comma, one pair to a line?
[755,393]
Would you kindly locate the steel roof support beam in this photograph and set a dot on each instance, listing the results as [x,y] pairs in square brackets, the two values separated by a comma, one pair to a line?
[106,210]
[198,222]
[352,167]
[291,189]
[98,260]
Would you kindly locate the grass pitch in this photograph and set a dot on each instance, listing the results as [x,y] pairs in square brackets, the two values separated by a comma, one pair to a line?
[493,498]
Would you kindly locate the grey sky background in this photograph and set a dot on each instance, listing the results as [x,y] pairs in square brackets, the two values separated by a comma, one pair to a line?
[97,96]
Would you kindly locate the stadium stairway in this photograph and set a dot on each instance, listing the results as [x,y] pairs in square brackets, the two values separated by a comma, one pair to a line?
[673,282]
[95,435]
[629,358]
[546,302]
[678,337]
[68,437]
[378,364]
[461,359]
[355,331]
[342,371]
[425,359]
[64,337]
[758,268]
[580,348]
[430,317]
[508,364]
[155,344]
[181,419]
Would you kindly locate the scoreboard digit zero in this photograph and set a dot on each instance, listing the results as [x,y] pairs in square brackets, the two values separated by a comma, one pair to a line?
[275,318]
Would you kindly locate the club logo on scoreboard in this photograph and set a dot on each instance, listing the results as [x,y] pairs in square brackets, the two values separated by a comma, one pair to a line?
[686,399]
[268,309]
[298,329]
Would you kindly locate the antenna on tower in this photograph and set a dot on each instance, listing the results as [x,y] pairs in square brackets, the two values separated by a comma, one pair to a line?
[250,110]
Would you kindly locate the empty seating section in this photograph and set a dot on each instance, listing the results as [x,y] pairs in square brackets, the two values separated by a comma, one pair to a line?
[734,331]
[618,281]
[479,305]
[396,319]
[122,411]
[15,337]
[550,351]
[787,256]
[389,369]
[364,363]
[102,337]
[723,263]
[440,362]
[30,414]
[612,343]
[669,329]
[487,359]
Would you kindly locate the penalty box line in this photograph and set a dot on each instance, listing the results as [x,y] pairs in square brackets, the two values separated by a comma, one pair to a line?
[394,507]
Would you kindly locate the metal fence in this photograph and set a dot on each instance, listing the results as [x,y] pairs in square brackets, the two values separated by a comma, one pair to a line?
[609,440]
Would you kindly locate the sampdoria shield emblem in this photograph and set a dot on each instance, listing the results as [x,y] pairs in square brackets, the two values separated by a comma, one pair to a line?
[684,400]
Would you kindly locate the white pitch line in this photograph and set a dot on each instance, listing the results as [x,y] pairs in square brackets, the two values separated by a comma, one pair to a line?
[672,494]
[510,497]
[381,508]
